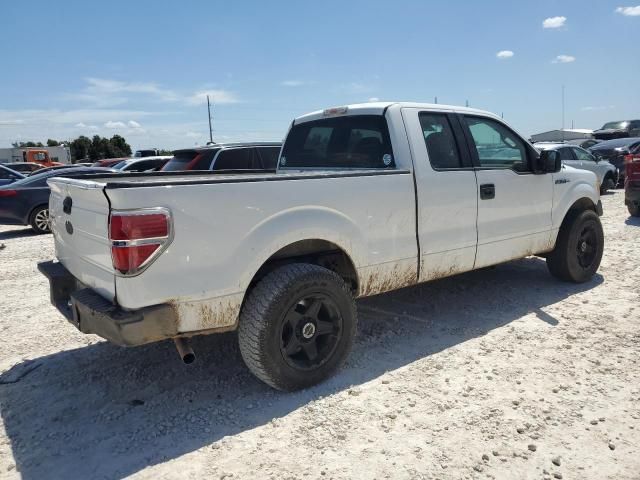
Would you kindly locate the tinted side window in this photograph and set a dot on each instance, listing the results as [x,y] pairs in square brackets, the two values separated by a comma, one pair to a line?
[354,141]
[235,159]
[204,161]
[582,155]
[565,153]
[269,156]
[440,141]
[496,145]
[5,174]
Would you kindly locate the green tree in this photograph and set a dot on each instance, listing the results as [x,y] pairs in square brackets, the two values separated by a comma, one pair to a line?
[119,147]
[27,144]
[80,148]
[52,143]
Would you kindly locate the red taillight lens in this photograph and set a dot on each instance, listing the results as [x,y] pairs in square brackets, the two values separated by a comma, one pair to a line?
[130,259]
[8,193]
[136,237]
[135,227]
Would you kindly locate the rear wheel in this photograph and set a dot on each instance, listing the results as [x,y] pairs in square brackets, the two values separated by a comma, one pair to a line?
[634,210]
[607,184]
[39,219]
[297,326]
[579,248]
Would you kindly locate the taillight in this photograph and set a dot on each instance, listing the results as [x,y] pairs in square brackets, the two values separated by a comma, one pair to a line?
[8,193]
[138,237]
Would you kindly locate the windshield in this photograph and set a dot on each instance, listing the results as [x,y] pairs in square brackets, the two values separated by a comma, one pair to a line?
[120,165]
[609,144]
[615,125]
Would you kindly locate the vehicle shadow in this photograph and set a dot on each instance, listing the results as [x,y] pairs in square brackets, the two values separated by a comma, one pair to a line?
[107,412]
[23,232]
[635,221]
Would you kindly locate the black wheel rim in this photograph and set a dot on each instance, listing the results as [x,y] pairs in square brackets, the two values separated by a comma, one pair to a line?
[310,332]
[587,247]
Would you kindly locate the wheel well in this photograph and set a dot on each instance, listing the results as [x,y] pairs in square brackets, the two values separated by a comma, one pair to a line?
[30,215]
[579,206]
[317,252]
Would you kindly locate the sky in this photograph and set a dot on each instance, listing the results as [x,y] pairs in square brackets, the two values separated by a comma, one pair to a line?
[142,69]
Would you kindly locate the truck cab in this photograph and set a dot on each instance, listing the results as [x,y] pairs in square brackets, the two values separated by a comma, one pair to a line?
[41,157]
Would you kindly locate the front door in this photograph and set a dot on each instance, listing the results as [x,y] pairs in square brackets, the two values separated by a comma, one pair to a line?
[514,204]
[446,193]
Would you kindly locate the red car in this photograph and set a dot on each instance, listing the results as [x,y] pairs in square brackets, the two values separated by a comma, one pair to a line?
[632,183]
[109,162]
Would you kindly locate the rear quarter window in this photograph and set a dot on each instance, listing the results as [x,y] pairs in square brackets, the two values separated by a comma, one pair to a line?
[354,141]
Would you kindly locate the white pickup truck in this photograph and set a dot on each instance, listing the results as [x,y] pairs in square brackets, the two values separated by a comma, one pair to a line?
[366,199]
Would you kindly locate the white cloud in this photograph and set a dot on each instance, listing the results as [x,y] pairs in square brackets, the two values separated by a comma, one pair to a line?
[502,54]
[594,109]
[192,135]
[101,92]
[554,22]
[374,99]
[81,125]
[564,59]
[111,124]
[292,83]
[629,11]
[133,124]
[216,96]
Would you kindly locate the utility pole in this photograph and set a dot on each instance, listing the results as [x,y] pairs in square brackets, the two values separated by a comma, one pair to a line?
[210,129]
[563,112]
[466,103]
[435,100]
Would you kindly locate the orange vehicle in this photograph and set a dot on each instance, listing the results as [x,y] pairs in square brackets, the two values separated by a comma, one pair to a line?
[41,157]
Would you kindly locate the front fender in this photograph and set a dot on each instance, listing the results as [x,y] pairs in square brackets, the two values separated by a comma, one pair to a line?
[566,195]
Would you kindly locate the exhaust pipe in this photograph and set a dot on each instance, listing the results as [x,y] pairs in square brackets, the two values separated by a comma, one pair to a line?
[184,350]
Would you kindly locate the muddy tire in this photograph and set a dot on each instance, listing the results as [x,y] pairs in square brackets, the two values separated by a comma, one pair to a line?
[634,210]
[39,219]
[297,326]
[579,247]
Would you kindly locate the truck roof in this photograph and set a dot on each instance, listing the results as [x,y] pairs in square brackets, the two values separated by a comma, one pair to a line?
[378,108]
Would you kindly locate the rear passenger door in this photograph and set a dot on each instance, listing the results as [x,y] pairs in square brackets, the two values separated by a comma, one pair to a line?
[446,193]
[514,204]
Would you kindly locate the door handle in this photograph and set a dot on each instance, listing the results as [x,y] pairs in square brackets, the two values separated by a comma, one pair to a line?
[487,191]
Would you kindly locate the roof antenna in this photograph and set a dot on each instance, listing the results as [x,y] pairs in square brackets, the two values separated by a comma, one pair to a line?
[435,100]
[467,103]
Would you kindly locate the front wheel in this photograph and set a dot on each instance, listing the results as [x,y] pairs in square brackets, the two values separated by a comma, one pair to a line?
[579,248]
[297,326]
[39,219]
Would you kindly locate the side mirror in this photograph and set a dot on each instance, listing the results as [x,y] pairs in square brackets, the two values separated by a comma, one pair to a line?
[550,161]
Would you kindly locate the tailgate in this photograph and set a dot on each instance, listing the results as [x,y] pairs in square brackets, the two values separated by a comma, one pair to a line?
[79,213]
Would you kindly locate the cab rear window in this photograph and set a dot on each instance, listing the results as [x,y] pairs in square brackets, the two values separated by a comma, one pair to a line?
[355,141]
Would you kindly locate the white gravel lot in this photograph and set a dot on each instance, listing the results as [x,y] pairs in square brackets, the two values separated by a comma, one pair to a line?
[502,373]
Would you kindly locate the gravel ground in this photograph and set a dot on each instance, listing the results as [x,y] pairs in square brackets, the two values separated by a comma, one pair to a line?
[501,373]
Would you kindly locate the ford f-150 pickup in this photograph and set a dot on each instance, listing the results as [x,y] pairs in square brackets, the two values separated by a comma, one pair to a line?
[366,199]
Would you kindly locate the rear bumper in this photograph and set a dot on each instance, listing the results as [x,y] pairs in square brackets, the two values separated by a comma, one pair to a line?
[91,313]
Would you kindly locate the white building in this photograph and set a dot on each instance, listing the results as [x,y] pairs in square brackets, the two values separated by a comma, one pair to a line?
[15,154]
[560,135]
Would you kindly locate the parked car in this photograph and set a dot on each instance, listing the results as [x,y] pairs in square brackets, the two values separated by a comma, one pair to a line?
[632,184]
[620,129]
[109,162]
[58,167]
[142,164]
[615,150]
[26,201]
[149,152]
[8,175]
[366,199]
[24,167]
[577,157]
[227,156]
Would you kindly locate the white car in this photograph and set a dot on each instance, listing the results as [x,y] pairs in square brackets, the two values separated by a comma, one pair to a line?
[578,157]
[366,199]
[143,164]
